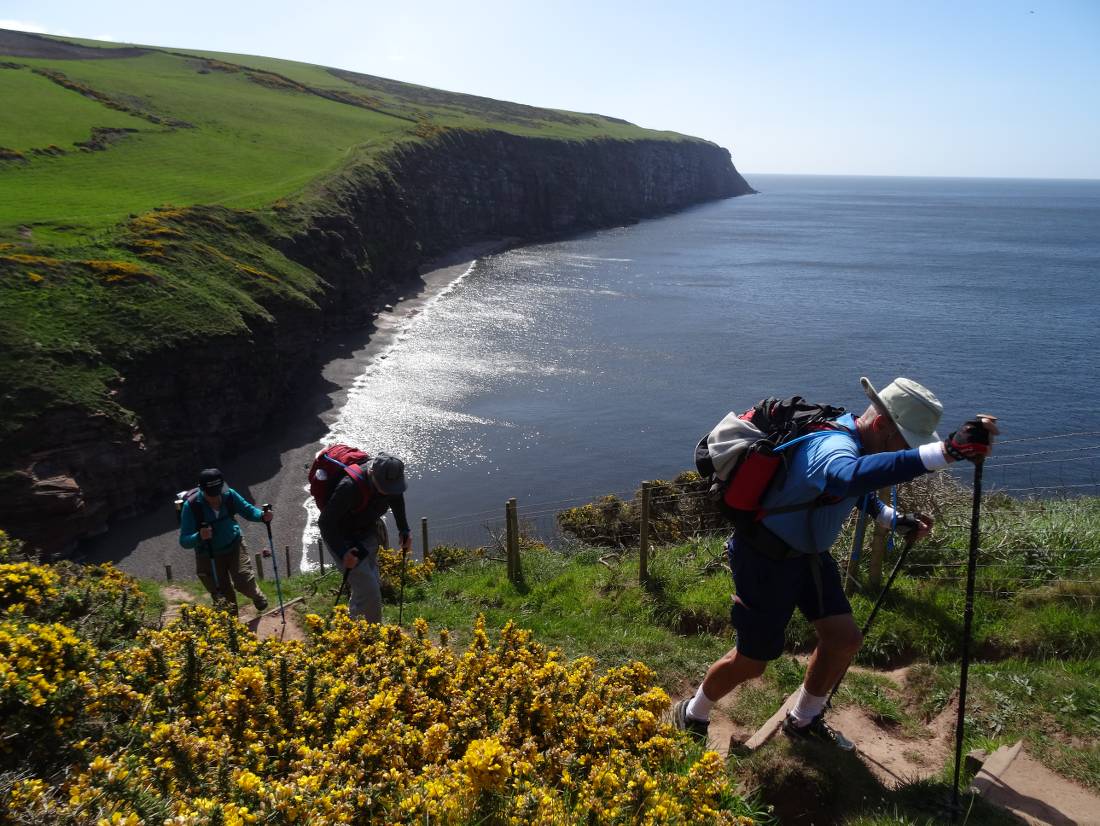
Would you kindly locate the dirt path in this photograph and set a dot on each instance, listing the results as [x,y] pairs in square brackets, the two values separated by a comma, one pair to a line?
[1040,797]
[894,755]
[173,597]
[898,755]
[269,624]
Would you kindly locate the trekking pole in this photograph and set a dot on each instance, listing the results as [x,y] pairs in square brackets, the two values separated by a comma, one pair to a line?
[909,540]
[401,599]
[209,545]
[343,582]
[968,619]
[275,565]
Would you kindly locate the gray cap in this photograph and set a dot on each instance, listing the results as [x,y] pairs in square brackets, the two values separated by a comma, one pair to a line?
[388,472]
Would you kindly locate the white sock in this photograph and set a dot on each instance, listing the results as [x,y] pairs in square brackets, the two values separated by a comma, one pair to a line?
[806,707]
[700,706]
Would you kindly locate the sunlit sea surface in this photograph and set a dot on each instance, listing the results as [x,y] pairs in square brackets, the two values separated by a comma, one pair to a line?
[564,371]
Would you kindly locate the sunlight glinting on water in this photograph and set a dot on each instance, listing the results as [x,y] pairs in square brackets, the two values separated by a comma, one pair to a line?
[410,400]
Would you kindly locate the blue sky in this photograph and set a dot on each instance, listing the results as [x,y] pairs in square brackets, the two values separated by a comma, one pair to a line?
[880,88]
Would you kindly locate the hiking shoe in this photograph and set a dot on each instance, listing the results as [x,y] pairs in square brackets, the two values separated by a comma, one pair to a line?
[696,728]
[817,730]
[260,601]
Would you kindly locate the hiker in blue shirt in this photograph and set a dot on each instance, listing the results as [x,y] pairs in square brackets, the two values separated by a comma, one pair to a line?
[781,561]
[207,524]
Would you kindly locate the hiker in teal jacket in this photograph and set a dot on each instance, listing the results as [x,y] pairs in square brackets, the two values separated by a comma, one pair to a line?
[207,524]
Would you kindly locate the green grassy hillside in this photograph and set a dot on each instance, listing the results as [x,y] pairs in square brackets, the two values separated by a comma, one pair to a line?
[213,128]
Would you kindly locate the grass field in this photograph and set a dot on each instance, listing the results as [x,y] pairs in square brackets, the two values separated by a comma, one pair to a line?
[1035,674]
[252,137]
[39,113]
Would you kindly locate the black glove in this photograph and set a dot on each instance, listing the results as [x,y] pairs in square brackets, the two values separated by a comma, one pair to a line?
[907,523]
[971,442]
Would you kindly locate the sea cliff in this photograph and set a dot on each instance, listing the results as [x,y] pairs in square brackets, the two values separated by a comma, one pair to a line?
[70,473]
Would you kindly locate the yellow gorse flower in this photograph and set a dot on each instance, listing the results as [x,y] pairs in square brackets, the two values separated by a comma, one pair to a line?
[201,722]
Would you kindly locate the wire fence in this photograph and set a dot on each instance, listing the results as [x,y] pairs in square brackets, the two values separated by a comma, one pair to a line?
[1033,486]
[1031,533]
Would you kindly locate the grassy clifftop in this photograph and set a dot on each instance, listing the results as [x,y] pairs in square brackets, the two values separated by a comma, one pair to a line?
[210,128]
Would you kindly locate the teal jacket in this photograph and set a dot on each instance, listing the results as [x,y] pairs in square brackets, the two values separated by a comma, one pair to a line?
[226,529]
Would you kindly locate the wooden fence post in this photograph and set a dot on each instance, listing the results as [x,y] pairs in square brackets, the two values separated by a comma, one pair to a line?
[287,551]
[321,557]
[259,566]
[167,573]
[851,577]
[424,536]
[643,536]
[511,525]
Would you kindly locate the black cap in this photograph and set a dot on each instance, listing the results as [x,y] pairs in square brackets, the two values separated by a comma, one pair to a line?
[211,481]
[388,472]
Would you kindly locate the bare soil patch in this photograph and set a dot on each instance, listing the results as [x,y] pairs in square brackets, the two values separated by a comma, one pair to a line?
[271,625]
[1039,796]
[25,44]
[268,624]
[174,597]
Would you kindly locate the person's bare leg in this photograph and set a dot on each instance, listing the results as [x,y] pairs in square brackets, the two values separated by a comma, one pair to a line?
[838,640]
[729,672]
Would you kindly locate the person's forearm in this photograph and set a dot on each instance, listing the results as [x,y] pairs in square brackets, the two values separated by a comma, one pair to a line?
[847,477]
[247,509]
[189,529]
[397,505]
[333,540]
[875,506]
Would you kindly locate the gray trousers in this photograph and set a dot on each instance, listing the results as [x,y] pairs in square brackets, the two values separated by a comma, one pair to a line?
[364,583]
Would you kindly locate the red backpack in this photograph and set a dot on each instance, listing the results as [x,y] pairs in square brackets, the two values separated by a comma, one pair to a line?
[329,468]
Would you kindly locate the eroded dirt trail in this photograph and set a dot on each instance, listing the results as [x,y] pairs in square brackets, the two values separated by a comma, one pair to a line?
[269,624]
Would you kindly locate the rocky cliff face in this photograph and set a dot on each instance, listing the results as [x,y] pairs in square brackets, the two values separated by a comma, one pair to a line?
[191,406]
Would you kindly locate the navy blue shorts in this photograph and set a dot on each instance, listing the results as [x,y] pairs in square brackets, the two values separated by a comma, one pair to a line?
[768,591]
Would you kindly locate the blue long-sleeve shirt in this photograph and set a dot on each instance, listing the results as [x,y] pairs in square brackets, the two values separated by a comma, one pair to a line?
[832,463]
[226,529]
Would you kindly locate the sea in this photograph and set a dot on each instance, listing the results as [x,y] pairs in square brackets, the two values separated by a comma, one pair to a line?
[560,372]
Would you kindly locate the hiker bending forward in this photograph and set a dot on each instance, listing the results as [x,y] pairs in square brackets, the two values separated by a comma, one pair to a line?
[781,562]
[353,530]
[207,524]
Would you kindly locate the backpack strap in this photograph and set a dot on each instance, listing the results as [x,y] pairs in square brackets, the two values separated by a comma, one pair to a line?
[359,476]
[195,500]
[816,429]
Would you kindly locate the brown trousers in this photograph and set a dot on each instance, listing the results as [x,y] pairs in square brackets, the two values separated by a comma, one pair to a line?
[231,569]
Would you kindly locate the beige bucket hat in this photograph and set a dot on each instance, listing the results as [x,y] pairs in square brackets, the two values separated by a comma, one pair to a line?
[910,406]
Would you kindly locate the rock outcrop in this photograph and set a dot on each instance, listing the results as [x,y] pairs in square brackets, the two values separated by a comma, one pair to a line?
[76,473]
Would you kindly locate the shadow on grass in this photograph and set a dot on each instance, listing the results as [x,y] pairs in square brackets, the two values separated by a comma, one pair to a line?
[680,619]
[810,783]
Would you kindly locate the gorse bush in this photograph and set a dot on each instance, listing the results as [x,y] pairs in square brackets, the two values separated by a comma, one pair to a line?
[52,618]
[202,723]
[679,510]
[390,575]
